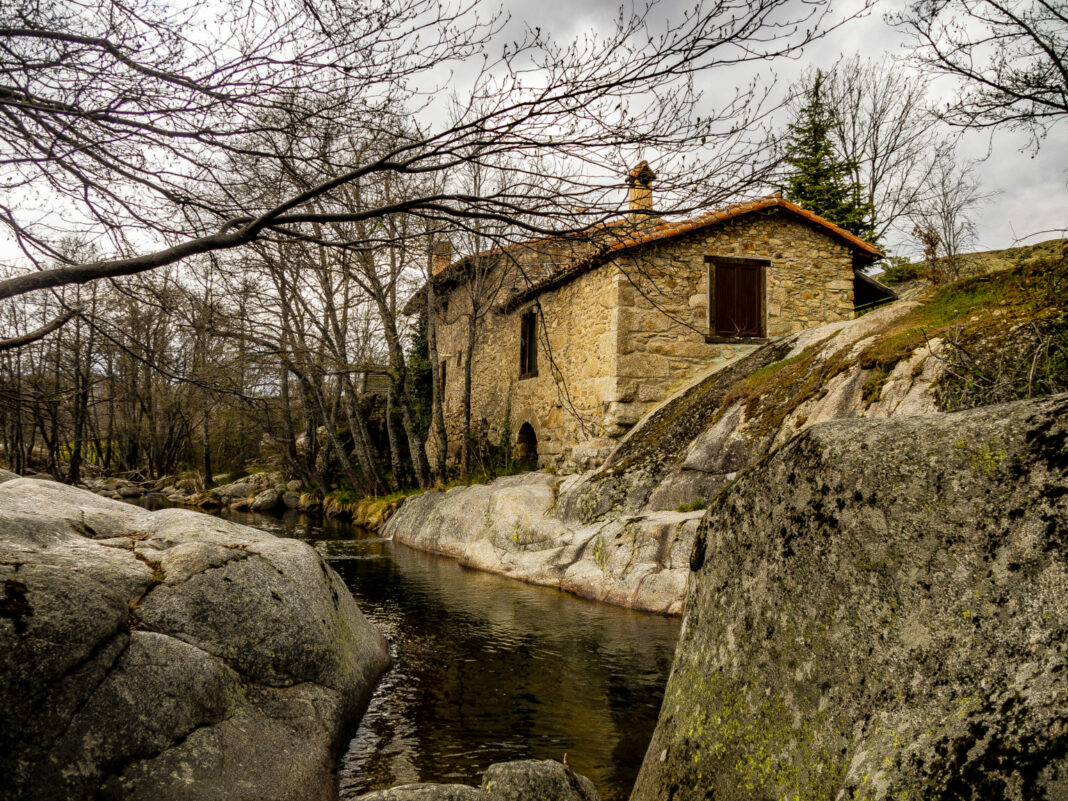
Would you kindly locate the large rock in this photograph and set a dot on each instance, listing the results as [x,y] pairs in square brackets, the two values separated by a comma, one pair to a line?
[169,655]
[266,501]
[694,443]
[521,780]
[231,492]
[508,527]
[879,611]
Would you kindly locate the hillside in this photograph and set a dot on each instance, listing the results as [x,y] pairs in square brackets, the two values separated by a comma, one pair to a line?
[913,279]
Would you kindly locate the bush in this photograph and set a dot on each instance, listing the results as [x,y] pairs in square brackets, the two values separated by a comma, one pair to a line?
[900,270]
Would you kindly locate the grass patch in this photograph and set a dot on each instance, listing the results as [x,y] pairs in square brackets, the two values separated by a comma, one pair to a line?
[692,506]
[951,306]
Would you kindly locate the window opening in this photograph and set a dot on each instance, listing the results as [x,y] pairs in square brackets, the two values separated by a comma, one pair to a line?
[528,344]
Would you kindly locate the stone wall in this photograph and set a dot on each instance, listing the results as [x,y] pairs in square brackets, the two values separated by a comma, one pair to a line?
[576,348]
[616,340]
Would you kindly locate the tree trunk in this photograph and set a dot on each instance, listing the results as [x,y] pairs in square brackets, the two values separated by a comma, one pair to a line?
[361,445]
[399,376]
[465,425]
[437,412]
[205,443]
[395,459]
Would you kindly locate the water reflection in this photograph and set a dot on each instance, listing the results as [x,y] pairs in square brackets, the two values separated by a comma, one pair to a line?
[487,669]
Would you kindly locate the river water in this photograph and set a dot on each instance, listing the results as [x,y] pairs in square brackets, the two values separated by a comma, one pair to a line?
[487,669]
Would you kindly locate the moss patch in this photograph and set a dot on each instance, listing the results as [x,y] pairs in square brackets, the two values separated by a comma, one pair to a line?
[693,506]
[368,512]
[988,307]
[735,734]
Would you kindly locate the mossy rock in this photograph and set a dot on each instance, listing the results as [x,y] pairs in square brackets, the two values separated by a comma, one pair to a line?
[879,610]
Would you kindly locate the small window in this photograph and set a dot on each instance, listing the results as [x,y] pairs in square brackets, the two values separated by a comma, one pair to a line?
[528,344]
[736,296]
[441,378]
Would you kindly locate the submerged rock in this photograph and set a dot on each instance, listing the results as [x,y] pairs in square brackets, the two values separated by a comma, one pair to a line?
[521,780]
[879,610]
[167,655]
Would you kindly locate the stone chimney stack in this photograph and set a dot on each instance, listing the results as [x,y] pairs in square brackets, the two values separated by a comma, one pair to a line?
[442,256]
[640,180]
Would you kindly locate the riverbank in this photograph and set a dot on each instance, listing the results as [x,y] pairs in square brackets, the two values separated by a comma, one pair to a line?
[640,561]
[487,669]
[266,492]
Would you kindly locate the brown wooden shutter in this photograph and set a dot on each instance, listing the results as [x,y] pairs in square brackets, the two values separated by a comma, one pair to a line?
[739,288]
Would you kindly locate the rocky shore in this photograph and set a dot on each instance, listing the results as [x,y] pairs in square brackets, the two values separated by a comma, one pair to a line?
[267,492]
[258,492]
[508,527]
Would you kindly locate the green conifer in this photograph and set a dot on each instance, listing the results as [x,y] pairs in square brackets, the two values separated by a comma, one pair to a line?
[820,180]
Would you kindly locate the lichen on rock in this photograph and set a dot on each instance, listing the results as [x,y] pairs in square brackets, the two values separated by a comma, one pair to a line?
[166,655]
[879,610]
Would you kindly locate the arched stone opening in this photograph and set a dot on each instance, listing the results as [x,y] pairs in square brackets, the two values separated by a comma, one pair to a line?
[526,451]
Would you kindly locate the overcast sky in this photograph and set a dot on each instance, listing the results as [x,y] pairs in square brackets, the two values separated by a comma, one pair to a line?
[1030,202]
[1032,189]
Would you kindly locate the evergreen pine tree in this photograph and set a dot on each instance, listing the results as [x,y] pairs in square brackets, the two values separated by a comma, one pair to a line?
[820,180]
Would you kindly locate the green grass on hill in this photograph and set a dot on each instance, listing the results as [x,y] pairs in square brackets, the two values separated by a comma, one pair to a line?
[972,264]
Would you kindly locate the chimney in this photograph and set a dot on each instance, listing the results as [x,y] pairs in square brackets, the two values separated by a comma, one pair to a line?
[441,257]
[640,181]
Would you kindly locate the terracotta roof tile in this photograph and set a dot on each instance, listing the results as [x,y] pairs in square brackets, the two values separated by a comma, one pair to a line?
[666,230]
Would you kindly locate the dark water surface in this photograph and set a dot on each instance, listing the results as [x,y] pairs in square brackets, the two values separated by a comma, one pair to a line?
[487,669]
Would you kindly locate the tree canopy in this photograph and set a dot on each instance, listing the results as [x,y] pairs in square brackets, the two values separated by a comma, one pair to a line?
[134,123]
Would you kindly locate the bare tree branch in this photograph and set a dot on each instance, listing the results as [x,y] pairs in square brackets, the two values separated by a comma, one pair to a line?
[40,333]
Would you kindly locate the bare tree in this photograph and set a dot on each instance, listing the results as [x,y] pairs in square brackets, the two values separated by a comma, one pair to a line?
[886,132]
[438,252]
[942,219]
[131,122]
[482,275]
[1010,57]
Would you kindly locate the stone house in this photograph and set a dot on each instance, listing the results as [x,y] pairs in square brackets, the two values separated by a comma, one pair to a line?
[583,336]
